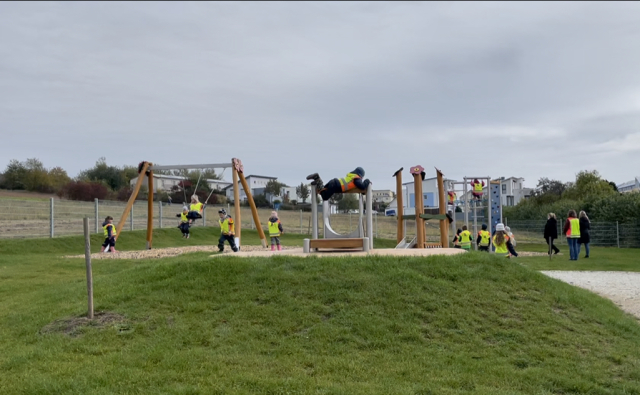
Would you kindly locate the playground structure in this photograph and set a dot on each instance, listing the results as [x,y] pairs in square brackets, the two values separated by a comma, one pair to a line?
[361,238]
[419,241]
[491,197]
[147,169]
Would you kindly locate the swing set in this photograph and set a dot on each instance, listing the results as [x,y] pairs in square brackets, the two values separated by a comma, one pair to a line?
[147,168]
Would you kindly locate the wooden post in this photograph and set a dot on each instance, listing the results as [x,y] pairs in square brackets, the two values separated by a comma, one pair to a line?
[236,201]
[150,212]
[254,210]
[132,199]
[417,172]
[444,226]
[87,257]
[400,204]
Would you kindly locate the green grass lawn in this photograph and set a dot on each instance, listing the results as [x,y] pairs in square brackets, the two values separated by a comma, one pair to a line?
[469,324]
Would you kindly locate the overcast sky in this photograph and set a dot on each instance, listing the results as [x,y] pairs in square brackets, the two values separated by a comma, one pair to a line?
[528,89]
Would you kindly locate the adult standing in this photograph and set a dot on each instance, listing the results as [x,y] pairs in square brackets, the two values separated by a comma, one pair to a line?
[572,230]
[585,236]
[551,232]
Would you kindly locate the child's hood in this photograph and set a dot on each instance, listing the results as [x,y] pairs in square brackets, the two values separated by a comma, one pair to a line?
[273,219]
[105,223]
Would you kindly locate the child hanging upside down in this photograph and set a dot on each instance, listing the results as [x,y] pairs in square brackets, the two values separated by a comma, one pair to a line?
[353,180]
[184,222]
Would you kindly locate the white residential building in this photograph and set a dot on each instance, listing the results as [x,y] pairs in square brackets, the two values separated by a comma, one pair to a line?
[429,192]
[383,195]
[629,186]
[257,184]
[163,182]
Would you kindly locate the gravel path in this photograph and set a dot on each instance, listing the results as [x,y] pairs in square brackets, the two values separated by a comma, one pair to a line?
[623,288]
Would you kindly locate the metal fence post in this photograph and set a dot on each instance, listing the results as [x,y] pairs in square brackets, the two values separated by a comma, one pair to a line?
[300,221]
[51,224]
[376,225]
[618,234]
[131,218]
[97,216]
[160,215]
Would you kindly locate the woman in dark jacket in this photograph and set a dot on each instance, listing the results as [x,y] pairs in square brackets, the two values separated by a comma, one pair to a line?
[551,232]
[585,237]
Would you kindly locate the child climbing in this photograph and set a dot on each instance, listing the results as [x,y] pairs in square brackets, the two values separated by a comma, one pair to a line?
[512,245]
[484,239]
[476,190]
[353,180]
[109,234]
[275,230]
[184,222]
[456,239]
[501,241]
[465,239]
[226,231]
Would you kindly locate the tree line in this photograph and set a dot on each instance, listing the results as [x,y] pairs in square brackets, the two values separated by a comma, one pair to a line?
[598,197]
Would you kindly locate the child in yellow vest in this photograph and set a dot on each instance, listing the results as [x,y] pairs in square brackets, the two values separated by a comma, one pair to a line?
[184,222]
[109,234]
[465,239]
[275,230]
[226,231]
[501,241]
[484,239]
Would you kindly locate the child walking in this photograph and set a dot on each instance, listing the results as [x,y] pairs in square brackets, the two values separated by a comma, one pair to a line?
[512,245]
[484,239]
[501,241]
[184,222]
[456,239]
[226,231]
[465,239]
[109,234]
[275,230]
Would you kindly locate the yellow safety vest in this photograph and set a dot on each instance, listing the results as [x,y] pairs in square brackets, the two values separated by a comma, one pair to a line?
[274,230]
[196,207]
[465,239]
[477,187]
[485,236]
[226,226]
[106,231]
[574,229]
[501,249]
[183,217]
[348,182]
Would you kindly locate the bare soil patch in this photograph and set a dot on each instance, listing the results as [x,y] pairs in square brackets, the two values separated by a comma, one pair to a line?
[169,252]
[74,326]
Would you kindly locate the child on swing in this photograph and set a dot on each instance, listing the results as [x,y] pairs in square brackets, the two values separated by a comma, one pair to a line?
[195,209]
[184,222]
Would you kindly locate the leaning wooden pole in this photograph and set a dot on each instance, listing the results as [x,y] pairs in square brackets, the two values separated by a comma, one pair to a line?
[132,198]
[236,202]
[421,239]
[150,211]
[444,227]
[254,210]
[400,204]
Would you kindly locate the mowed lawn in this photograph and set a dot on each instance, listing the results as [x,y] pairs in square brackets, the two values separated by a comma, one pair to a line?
[469,324]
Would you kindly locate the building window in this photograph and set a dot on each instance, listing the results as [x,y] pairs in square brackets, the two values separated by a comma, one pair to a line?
[504,188]
[510,201]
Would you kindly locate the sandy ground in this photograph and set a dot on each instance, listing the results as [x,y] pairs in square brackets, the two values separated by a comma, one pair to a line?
[169,252]
[623,288]
[376,252]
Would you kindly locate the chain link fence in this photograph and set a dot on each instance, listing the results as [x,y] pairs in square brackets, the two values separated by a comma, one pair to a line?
[603,234]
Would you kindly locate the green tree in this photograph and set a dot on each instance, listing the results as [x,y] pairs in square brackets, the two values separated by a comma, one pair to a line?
[349,201]
[58,178]
[588,185]
[14,175]
[112,176]
[302,191]
[36,177]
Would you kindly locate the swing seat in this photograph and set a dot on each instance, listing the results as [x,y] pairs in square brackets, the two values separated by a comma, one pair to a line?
[193,215]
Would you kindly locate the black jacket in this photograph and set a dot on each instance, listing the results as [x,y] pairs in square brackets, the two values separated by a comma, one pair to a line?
[585,227]
[551,229]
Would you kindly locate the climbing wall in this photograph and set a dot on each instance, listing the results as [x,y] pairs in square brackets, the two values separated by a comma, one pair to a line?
[496,211]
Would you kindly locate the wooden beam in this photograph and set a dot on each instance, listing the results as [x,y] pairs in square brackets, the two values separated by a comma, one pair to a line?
[400,205]
[132,199]
[444,227]
[336,243]
[236,203]
[150,212]
[254,210]
[418,172]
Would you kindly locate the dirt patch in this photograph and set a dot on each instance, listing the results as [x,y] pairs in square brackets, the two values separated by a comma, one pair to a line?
[528,253]
[168,252]
[74,326]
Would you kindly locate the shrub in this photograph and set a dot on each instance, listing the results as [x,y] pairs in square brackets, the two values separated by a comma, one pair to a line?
[86,191]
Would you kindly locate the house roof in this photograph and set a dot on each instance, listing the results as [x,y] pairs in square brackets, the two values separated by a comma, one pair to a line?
[257,176]
[628,183]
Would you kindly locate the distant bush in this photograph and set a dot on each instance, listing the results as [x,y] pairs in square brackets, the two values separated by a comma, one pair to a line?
[86,191]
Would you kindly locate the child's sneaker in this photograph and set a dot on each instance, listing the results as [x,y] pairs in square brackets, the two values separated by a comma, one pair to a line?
[188,236]
[313,176]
